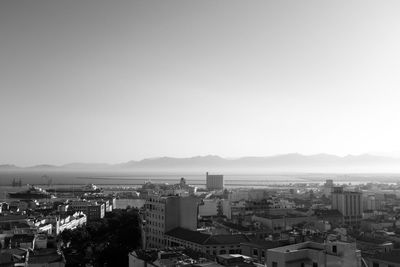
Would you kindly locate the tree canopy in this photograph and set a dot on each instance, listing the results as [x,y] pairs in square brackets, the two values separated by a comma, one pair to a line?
[108,241]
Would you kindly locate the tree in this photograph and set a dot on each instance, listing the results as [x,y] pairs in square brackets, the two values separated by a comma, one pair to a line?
[109,240]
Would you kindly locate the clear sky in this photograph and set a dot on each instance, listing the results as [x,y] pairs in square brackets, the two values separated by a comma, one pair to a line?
[112,81]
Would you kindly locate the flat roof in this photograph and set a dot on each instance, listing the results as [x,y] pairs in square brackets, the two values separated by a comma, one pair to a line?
[392,256]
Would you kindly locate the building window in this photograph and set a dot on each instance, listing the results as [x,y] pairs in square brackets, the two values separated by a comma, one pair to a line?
[314,264]
[334,249]
[255,252]
[302,264]
[274,264]
[375,264]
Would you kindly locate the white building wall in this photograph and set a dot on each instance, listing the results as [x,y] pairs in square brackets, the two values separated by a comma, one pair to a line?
[209,207]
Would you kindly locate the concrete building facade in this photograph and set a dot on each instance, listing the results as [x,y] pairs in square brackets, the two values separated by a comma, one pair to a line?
[328,187]
[92,210]
[278,223]
[214,181]
[349,204]
[164,213]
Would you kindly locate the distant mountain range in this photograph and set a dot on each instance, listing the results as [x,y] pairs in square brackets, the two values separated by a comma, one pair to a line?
[286,162]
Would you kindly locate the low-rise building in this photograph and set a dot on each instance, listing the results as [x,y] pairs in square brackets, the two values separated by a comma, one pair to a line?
[70,222]
[257,249]
[166,258]
[249,207]
[334,217]
[92,209]
[205,243]
[374,224]
[247,194]
[383,259]
[45,257]
[279,223]
[332,254]
[13,257]
[371,245]
[233,260]
[215,207]
[26,241]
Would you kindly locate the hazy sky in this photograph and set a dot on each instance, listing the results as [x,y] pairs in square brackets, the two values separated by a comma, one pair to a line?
[111,81]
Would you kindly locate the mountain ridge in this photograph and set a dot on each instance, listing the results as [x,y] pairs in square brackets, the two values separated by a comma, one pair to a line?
[213,161]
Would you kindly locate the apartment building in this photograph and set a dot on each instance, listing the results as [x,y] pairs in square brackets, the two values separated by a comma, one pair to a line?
[164,213]
[93,210]
[214,181]
[349,204]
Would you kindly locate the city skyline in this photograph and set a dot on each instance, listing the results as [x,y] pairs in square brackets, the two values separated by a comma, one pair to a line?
[199,133]
[95,81]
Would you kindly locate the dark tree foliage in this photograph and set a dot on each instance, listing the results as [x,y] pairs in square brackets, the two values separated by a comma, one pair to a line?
[107,242]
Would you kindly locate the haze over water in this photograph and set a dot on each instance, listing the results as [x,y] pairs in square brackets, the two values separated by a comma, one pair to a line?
[198,179]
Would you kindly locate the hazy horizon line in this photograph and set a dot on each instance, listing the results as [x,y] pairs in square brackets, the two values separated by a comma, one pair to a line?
[382,155]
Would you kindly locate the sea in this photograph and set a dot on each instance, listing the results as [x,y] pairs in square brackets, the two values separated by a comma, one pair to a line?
[122,181]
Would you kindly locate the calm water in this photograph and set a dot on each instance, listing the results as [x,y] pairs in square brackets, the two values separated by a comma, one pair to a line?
[132,180]
[126,178]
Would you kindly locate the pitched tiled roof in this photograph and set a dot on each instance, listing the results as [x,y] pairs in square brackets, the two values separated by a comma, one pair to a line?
[227,239]
[266,244]
[188,235]
[331,213]
[8,218]
[205,239]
